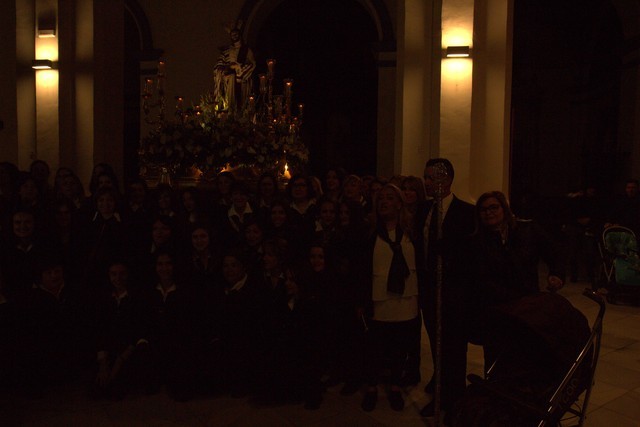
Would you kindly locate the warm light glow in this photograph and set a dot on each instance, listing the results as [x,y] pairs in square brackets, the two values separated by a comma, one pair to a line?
[46,79]
[456,36]
[47,48]
[457,68]
[286,174]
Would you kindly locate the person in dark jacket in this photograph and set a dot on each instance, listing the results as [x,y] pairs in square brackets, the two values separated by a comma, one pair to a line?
[117,332]
[458,224]
[504,256]
[170,332]
[54,338]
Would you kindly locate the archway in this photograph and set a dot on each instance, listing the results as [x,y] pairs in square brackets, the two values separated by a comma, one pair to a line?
[567,66]
[138,45]
[327,47]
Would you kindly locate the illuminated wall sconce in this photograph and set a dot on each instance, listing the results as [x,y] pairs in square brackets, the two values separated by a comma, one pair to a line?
[43,64]
[458,52]
[46,33]
[46,25]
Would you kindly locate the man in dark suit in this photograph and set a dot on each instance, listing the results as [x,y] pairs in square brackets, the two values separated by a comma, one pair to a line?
[458,224]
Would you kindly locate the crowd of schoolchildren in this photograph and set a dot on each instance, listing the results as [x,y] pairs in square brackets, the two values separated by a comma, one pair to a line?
[242,287]
[245,288]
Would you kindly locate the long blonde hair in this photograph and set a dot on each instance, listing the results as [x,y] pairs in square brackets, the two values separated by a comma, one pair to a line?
[405,218]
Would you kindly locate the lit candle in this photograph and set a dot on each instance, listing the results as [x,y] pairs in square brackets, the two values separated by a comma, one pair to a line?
[148,84]
[300,110]
[161,65]
[288,84]
[271,64]
[252,103]
[286,174]
[179,103]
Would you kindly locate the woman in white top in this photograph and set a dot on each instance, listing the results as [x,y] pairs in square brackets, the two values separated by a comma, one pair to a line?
[393,294]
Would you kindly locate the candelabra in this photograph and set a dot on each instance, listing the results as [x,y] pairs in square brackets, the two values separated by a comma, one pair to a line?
[260,132]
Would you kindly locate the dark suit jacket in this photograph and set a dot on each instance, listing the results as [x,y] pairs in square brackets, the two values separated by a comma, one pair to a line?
[458,225]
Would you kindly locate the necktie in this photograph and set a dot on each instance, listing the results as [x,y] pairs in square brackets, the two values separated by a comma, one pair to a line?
[433,244]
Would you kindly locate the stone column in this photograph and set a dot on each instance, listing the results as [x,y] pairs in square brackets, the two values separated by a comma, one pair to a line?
[491,103]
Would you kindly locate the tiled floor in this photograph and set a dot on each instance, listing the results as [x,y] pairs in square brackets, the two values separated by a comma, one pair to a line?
[615,400]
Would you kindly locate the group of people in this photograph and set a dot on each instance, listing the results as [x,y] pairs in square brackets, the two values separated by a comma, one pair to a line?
[252,289]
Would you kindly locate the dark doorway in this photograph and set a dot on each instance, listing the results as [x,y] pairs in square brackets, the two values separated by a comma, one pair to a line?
[326,47]
[567,62]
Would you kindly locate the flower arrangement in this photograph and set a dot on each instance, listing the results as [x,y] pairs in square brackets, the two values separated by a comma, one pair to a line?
[203,138]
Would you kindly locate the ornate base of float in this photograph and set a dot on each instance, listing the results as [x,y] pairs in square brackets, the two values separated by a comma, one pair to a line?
[195,178]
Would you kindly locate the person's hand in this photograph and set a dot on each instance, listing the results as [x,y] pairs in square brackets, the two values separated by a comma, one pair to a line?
[554,283]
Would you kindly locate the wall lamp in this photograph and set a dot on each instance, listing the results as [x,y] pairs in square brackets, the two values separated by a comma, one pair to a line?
[46,25]
[458,52]
[43,64]
[46,33]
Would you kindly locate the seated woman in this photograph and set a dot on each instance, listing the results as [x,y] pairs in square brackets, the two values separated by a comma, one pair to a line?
[289,368]
[117,331]
[505,253]
[240,321]
[392,294]
[54,341]
[170,331]
[105,236]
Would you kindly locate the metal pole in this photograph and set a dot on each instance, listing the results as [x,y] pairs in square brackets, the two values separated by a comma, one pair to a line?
[440,176]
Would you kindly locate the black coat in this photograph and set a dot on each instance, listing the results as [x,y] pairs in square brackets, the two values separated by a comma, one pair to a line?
[457,226]
[504,272]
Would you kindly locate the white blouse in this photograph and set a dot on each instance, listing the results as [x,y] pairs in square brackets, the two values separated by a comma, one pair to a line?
[390,307]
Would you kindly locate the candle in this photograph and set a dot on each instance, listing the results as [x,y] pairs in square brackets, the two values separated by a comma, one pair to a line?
[278,105]
[271,63]
[286,174]
[300,110]
[179,103]
[263,83]
[161,65]
[148,84]
[288,84]
[252,103]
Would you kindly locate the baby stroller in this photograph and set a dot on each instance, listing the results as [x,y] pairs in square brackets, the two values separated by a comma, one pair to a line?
[545,369]
[620,264]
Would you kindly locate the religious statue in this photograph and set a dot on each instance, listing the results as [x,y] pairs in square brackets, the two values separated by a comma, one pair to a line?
[232,73]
